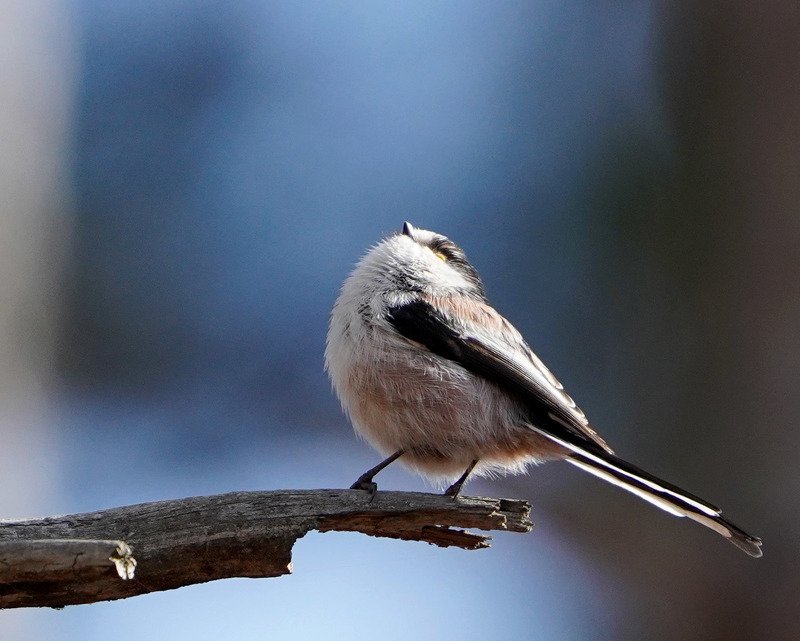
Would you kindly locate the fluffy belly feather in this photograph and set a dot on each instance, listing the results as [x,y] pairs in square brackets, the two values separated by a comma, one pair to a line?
[442,416]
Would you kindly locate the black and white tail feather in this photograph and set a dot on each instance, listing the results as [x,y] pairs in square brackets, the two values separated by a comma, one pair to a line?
[662,494]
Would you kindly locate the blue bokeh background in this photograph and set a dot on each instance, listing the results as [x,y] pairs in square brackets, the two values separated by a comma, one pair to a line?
[624,176]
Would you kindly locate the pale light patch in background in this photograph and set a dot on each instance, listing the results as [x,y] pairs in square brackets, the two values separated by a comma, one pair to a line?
[36,104]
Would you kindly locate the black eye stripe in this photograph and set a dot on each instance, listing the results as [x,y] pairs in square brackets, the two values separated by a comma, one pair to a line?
[448,249]
[457,259]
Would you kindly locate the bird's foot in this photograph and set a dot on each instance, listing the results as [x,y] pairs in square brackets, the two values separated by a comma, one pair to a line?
[366,484]
[453,490]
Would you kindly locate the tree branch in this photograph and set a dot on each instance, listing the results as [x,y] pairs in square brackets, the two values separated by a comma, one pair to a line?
[136,549]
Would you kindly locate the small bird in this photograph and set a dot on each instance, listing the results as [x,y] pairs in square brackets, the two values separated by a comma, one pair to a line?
[431,374]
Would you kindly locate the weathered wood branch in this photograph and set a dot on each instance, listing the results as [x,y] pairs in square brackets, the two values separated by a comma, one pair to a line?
[136,549]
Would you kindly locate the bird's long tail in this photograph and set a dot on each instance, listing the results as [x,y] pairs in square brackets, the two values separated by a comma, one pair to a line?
[668,497]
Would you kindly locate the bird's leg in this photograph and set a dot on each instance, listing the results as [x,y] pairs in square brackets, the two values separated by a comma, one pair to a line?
[455,488]
[365,482]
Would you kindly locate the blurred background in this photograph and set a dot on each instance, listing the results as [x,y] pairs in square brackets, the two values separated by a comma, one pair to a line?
[185,184]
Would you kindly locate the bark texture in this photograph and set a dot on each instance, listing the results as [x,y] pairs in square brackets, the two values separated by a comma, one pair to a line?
[136,549]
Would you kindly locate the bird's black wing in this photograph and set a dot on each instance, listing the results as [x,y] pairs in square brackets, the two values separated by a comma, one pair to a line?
[500,356]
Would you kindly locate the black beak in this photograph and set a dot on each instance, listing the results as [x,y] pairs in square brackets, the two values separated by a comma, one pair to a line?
[408,229]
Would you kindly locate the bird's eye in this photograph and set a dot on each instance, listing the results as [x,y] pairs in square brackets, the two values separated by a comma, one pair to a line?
[440,249]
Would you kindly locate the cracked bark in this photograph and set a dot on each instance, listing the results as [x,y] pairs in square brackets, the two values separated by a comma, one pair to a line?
[137,549]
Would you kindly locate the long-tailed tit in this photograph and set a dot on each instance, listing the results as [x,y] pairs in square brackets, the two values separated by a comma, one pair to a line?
[431,374]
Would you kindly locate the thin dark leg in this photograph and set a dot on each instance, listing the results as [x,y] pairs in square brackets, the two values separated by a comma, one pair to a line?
[365,482]
[455,488]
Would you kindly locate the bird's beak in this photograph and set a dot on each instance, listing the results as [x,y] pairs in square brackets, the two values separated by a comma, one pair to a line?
[408,229]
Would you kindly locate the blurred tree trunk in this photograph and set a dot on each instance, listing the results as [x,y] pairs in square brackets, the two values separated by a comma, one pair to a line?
[729,253]
[36,86]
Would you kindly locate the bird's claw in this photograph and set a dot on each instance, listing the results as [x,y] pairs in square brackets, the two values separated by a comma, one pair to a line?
[453,491]
[371,487]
